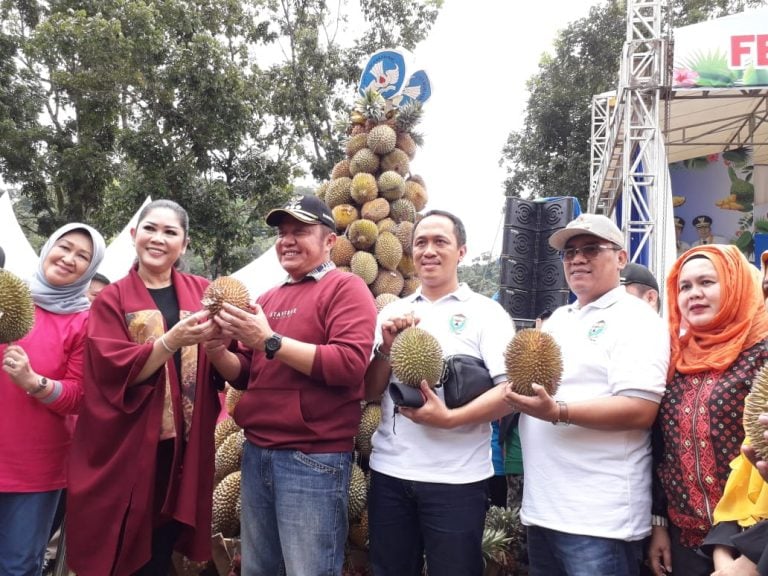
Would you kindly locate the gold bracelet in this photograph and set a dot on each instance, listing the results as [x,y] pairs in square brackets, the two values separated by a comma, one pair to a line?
[165,345]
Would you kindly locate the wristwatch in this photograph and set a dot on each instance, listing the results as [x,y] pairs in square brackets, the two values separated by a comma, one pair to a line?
[42,384]
[272,345]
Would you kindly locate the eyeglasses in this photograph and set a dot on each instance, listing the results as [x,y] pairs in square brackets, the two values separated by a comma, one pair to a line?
[589,251]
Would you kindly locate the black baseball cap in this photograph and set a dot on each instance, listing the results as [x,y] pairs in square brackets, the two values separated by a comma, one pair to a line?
[307,209]
[638,274]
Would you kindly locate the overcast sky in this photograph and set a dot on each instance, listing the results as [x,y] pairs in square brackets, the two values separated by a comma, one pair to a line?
[479,56]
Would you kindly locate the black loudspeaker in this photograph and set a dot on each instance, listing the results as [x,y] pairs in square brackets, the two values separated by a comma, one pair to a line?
[532,277]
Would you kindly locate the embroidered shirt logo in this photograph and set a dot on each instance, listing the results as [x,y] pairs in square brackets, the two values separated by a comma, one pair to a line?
[458,323]
[596,329]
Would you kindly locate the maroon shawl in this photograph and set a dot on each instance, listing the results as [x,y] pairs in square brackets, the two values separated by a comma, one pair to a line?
[114,451]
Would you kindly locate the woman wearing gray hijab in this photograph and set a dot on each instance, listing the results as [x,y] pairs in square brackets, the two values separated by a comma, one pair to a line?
[40,392]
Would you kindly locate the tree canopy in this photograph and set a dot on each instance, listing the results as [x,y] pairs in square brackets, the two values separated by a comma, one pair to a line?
[217,105]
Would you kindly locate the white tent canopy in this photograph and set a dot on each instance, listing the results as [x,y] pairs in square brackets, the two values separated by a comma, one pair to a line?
[20,257]
[261,274]
[120,253]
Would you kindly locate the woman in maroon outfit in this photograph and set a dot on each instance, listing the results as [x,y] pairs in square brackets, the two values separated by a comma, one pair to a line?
[141,471]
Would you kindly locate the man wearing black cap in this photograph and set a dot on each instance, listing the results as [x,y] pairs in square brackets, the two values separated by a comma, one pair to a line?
[703,225]
[302,355]
[640,282]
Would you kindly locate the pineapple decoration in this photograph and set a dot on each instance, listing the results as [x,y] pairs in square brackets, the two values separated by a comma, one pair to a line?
[374,197]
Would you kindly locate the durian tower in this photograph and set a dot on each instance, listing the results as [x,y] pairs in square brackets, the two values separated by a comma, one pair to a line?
[375,199]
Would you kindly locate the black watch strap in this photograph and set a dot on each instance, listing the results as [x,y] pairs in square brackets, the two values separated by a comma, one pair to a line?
[272,345]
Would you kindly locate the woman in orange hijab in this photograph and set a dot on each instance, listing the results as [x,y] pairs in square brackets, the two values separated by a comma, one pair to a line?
[716,294]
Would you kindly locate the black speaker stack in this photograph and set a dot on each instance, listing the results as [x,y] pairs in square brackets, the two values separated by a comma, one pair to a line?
[532,278]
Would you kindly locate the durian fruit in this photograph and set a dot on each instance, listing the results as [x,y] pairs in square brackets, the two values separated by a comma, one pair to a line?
[391,185]
[17,310]
[225,289]
[383,299]
[342,251]
[358,531]
[341,169]
[403,210]
[364,161]
[339,192]
[755,404]
[387,281]
[388,251]
[358,492]
[222,431]
[363,264]
[374,179]
[362,233]
[231,399]
[382,139]
[344,215]
[416,355]
[229,456]
[369,421]
[533,356]
[355,144]
[364,188]
[225,519]
[416,193]
[375,210]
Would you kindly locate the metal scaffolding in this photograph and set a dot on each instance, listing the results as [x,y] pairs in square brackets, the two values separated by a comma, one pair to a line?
[629,175]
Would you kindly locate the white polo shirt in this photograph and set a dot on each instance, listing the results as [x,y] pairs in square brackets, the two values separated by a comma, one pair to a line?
[595,482]
[464,323]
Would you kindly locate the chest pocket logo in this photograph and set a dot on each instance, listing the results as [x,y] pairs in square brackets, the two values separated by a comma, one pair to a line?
[458,323]
[596,329]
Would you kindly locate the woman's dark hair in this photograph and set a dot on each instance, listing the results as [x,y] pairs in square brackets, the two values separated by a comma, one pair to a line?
[170,205]
[458,226]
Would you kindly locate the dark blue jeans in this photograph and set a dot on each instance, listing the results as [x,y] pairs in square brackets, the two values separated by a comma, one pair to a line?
[294,511]
[25,527]
[408,520]
[553,553]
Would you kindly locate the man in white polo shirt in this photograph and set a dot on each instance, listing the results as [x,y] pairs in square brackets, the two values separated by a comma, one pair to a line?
[428,493]
[586,451]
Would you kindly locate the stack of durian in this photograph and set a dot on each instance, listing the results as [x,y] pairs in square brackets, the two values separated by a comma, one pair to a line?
[375,199]
[229,439]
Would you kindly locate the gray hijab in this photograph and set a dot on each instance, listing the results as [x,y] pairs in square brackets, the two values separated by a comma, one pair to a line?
[70,298]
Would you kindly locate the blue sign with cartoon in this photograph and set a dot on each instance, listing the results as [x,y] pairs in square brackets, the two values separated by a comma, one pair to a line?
[418,88]
[384,73]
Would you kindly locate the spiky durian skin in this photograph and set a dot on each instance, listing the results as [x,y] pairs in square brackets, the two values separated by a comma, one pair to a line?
[341,169]
[402,210]
[533,356]
[369,421]
[416,355]
[363,188]
[362,233]
[363,264]
[391,185]
[375,210]
[225,289]
[344,215]
[229,456]
[383,299]
[364,161]
[17,307]
[356,143]
[338,192]
[342,251]
[416,193]
[396,160]
[410,285]
[231,399]
[387,281]
[358,492]
[223,430]
[388,250]
[382,139]
[755,404]
[225,502]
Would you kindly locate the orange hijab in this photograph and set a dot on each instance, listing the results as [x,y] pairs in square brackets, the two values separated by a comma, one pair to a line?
[741,322]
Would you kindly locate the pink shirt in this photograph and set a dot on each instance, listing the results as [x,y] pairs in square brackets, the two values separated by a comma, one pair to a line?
[34,435]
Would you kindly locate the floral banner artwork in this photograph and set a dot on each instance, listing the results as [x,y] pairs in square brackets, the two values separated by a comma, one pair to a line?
[723,53]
